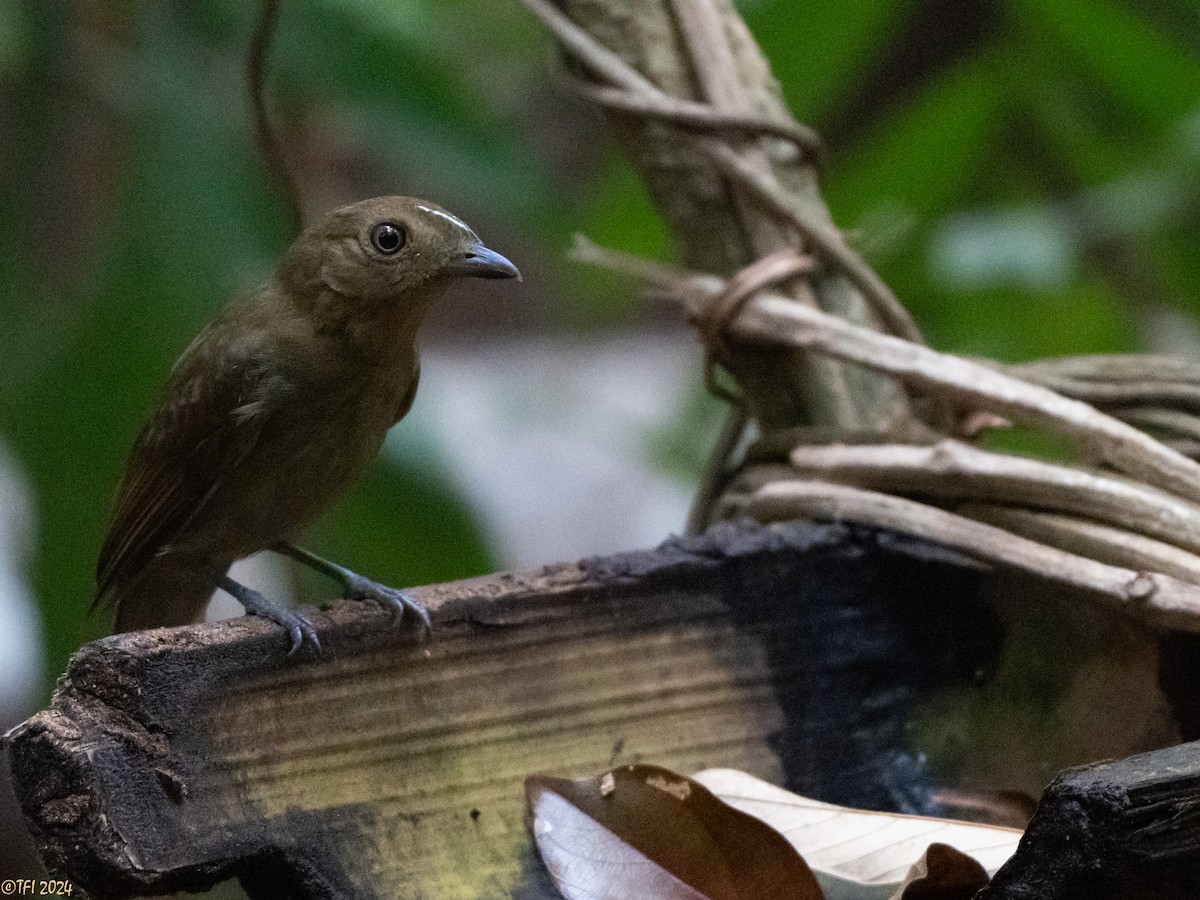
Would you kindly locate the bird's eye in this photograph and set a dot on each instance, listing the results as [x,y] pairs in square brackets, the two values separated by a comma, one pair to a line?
[388,238]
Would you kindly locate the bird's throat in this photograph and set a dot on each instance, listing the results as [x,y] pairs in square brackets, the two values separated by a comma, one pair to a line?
[378,330]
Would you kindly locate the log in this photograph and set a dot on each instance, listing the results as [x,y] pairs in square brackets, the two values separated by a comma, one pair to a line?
[1122,830]
[848,664]
[390,767]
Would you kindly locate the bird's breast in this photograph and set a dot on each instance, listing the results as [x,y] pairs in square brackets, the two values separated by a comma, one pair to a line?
[317,441]
[344,421]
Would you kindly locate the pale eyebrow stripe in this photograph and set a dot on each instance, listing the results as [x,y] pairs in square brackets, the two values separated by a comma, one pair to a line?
[449,218]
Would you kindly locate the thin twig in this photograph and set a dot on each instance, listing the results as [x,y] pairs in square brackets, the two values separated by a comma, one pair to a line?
[773,319]
[1114,546]
[602,62]
[688,114]
[1167,421]
[716,471]
[662,275]
[825,236]
[1115,367]
[1161,599]
[954,471]
[1178,394]
[268,142]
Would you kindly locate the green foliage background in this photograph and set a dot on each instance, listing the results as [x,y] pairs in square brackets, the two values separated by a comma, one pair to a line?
[1023,173]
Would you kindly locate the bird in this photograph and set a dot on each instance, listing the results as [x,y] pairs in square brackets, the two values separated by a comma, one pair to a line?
[275,408]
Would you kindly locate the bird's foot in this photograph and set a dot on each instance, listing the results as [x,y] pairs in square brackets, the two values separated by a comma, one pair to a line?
[398,602]
[297,626]
[359,588]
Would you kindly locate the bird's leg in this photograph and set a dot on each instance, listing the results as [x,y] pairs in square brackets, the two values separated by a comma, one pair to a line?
[298,626]
[357,587]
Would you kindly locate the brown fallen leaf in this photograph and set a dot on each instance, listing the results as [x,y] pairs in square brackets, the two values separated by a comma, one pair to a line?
[943,873]
[643,831]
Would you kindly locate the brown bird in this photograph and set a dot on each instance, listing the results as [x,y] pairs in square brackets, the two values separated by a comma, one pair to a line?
[276,407]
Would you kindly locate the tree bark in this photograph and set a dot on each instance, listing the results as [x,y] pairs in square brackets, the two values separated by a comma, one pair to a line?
[702,50]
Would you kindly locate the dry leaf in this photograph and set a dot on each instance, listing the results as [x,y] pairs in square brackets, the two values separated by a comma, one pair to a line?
[646,832]
[943,873]
[857,854]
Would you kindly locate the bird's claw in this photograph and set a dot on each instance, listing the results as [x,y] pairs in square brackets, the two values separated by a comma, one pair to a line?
[390,598]
[298,626]
[301,629]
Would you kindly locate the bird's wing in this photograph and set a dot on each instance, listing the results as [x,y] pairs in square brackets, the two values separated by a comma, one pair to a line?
[209,418]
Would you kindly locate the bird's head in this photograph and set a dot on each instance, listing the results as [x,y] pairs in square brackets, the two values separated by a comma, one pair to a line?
[388,249]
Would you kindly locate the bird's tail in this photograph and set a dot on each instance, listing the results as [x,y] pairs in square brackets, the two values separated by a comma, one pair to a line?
[164,595]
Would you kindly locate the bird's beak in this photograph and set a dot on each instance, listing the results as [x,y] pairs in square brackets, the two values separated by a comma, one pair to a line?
[480,262]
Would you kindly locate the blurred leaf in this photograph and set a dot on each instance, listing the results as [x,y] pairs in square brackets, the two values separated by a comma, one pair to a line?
[643,831]
[1151,73]
[16,39]
[891,188]
[1012,324]
[404,86]
[856,854]
[346,51]
[399,20]
[1077,133]
[820,55]
[1173,252]
[928,152]
[617,213]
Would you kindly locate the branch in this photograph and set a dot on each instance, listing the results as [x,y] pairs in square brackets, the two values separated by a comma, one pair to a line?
[1117,546]
[388,766]
[957,472]
[694,65]
[1158,599]
[268,142]
[772,318]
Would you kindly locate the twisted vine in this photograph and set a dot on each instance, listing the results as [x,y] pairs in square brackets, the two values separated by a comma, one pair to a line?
[1131,538]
